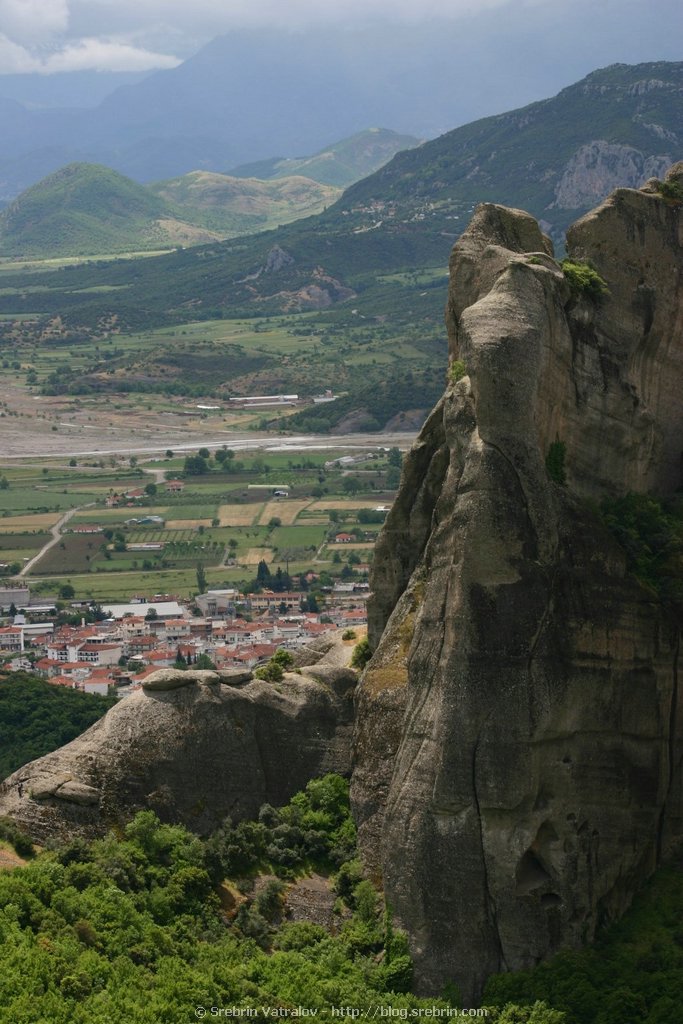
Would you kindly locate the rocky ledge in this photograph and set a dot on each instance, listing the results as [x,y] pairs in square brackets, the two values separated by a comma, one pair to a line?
[196,747]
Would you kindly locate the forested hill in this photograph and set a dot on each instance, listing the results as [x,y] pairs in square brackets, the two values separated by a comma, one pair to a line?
[36,718]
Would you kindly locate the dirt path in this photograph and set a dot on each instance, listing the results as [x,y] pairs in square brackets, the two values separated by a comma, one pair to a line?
[56,532]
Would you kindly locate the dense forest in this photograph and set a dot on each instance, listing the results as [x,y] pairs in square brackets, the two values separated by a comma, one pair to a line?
[36,718]
[153,924]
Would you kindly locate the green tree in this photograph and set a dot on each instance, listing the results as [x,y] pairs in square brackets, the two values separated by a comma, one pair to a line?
[195,465]
[201,578]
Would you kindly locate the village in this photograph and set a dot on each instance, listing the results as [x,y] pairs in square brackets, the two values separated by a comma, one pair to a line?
[222,629]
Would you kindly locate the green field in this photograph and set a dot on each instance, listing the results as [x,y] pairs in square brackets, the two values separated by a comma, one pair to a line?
[115,564]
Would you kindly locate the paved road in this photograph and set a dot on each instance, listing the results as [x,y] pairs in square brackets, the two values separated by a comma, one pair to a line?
[237,442]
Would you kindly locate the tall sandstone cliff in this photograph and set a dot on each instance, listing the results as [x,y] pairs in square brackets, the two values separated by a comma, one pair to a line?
[519,733]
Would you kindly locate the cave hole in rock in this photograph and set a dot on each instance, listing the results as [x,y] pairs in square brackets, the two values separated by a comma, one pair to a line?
[530,874]
[550,899]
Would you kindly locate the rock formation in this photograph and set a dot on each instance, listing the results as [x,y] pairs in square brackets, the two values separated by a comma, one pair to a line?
[519,735]
[196,747]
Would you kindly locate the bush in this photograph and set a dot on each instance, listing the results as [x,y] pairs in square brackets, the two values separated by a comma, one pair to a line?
[361,654]
[583,280]
[272,672]
[670,190]
[12,834]
[456,371]
[652,538]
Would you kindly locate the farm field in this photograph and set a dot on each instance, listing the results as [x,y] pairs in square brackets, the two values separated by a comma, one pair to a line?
[221,525]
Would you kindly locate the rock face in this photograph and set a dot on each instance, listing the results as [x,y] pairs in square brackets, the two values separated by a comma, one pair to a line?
[600,166]
[519,734]
[194,746]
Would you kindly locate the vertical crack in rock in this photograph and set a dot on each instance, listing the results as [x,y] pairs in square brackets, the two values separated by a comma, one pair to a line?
[490,901]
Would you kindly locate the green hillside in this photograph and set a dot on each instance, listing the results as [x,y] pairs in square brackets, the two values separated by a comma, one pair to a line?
[86,208]
[89,209]
[340,164]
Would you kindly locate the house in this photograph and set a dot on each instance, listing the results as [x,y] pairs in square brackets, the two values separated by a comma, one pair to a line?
[217,602]
[344,538]
[175,486]
[177,629]
[11,639]
[271,599]
[99,653]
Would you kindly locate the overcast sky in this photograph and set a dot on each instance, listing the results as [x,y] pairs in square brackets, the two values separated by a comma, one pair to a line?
[51,36]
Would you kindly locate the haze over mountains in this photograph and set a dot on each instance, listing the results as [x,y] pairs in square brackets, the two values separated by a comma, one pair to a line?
[555,158]
[255,94]
[373,264]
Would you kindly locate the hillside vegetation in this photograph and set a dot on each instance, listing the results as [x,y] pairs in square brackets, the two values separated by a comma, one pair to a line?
[87,208]
[154,923]
[36,718]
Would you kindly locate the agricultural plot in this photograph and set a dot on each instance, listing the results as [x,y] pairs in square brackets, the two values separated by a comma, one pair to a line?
[353,546]
[348,505]
[255,555]
[74,553]
[182,524]
[43,499]
[287,511]
[239,515]
[298,536]
[28,523]
[16,546]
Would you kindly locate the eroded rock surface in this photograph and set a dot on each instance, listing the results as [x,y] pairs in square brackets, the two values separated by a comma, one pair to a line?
[518,744]
[194,746]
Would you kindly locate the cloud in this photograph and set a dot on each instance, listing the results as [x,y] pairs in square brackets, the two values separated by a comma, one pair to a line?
[105,55]
[33,21]
[81,55]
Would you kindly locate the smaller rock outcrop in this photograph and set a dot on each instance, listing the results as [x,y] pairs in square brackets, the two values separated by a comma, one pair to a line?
[196,747]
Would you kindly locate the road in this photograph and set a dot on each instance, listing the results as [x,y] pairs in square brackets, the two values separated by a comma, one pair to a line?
[241,443]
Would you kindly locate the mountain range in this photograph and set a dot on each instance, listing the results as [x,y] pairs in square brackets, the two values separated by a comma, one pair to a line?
[86,208]
[377,257]
[251,94]
[555,158]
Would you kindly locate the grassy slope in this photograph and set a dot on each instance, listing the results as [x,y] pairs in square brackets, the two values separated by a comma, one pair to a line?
[238,205]
[81,208]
